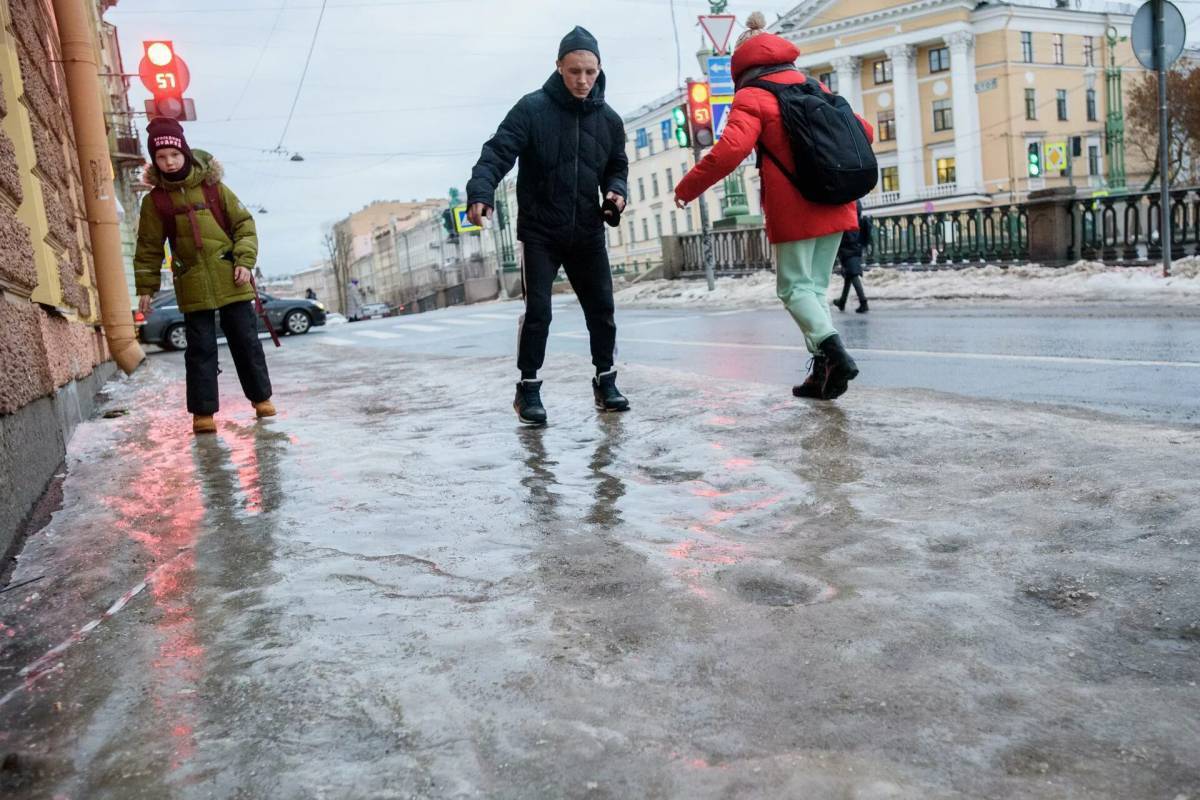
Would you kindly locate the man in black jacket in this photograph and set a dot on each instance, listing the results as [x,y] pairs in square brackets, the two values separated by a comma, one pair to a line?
[571,147]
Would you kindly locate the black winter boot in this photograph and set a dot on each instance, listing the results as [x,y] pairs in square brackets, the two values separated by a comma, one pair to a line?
[840,368]
[811,388]
[604,389]
[528,402]
[840,304]
[862,308]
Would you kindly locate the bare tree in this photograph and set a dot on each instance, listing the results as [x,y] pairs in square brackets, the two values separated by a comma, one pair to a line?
[1183,121]
[337,247]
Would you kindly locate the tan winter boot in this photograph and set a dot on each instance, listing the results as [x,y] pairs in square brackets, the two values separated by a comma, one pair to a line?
[264,409]
[203,423]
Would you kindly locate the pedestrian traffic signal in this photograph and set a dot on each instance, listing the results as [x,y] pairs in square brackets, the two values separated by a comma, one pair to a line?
[448,223]
[166,75]
[699,109]
[679,119]
[1035,160]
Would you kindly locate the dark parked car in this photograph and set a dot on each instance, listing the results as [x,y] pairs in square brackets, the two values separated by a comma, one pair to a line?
[289,315]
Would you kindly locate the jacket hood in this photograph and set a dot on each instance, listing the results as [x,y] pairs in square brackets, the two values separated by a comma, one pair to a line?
[205,169]
[559,93]
[763,50]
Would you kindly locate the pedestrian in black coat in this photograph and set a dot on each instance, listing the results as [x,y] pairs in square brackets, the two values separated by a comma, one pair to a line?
[570,146]
[850,254]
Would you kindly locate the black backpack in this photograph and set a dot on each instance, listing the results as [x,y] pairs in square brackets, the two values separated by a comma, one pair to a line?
[829,146]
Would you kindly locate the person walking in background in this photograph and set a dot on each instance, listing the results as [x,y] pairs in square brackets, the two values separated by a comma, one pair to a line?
[214,246]
[850,254]
[571,147]
[806,234]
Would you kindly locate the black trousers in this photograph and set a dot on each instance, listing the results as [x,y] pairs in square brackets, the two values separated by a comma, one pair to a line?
[587,269]
[852,276]
[240,326]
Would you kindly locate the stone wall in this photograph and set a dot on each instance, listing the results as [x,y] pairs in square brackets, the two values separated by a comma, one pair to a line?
[50,342]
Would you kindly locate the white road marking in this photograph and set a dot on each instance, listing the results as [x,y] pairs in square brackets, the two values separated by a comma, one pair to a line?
[335,341]
[726,313]
[1081,360]
[462,322]
[505,317]
[412,326]
[378,334]
[656,321]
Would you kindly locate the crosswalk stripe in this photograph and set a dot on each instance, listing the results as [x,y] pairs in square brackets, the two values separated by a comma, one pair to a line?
[378,334]
[412,326]
[505,317]
[462,322]
[333,340]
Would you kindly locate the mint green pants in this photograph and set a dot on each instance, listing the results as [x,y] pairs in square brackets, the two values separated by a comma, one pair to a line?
[802,273]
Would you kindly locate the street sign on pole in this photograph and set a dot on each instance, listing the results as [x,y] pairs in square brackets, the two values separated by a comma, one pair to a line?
[1056,157]
[718,27]
[461,223]
[1142,38]
[720,75]
[1158,35]
[720,111]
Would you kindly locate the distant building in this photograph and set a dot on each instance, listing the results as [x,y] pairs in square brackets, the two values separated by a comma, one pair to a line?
[960,91]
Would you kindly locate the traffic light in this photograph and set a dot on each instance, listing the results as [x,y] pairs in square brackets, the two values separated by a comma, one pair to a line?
[448,223]
[166,75]
[700,118]
[679,119]
[1035,160]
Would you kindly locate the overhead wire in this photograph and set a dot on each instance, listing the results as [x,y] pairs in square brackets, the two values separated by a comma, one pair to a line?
[303,74]
[262,51]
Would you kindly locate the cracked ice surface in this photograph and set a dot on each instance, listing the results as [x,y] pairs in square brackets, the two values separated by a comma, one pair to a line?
[393,591]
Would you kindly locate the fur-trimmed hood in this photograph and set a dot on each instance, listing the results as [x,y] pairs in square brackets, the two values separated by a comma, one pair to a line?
[205,168]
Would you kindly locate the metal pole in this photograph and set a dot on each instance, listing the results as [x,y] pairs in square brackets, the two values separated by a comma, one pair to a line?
[710,259]
[1164,149]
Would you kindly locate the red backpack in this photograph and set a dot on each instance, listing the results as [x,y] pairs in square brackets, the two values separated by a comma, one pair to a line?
[165,206]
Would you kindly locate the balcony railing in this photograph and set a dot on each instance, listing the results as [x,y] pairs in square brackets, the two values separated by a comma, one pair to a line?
[876,199]
[938,190]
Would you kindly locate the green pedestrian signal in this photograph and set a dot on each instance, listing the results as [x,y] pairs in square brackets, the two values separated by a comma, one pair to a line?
[1035,160]
[679,118]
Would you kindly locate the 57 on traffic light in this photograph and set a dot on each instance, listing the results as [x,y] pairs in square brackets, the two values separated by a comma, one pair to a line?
[166,76]
[699,111]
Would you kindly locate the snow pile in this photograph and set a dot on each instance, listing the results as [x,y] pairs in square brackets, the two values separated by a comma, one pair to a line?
[1085,281]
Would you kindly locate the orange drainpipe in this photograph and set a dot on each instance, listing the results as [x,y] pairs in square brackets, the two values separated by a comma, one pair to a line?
[91,144]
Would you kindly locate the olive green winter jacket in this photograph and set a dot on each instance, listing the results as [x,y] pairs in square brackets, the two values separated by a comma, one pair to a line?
[203,279]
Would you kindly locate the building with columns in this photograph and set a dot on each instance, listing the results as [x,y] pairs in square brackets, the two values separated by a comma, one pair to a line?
[960,92]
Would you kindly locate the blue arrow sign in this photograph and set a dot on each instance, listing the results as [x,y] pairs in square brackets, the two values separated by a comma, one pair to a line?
[720,74]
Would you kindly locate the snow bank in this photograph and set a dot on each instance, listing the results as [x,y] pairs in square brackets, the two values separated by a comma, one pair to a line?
[1085,281]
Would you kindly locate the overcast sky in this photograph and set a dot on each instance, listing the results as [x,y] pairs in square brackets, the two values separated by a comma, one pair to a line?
[400,94]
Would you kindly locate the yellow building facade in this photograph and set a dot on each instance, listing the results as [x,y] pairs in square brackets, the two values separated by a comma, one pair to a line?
[963,95]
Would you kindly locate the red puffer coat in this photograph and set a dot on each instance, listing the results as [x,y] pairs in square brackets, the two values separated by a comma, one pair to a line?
[754,116]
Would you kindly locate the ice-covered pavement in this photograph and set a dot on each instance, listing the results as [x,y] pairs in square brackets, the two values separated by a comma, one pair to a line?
[391,590]
[1084,282]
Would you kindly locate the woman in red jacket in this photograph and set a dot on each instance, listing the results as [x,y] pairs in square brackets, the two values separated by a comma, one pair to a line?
[806,235]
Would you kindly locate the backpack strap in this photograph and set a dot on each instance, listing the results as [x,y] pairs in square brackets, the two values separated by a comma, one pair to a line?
[212,201]
[165,207]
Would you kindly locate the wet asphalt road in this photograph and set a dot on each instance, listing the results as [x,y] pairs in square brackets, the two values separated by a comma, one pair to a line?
[392,590]
[1135,361]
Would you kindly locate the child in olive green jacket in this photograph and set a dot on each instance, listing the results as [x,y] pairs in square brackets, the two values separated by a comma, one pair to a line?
[214,246]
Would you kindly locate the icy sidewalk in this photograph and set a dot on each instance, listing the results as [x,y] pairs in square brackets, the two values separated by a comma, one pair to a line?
[1085,282]
[391,590]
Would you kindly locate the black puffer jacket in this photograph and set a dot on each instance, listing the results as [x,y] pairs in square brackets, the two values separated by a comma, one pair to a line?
[571,151]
